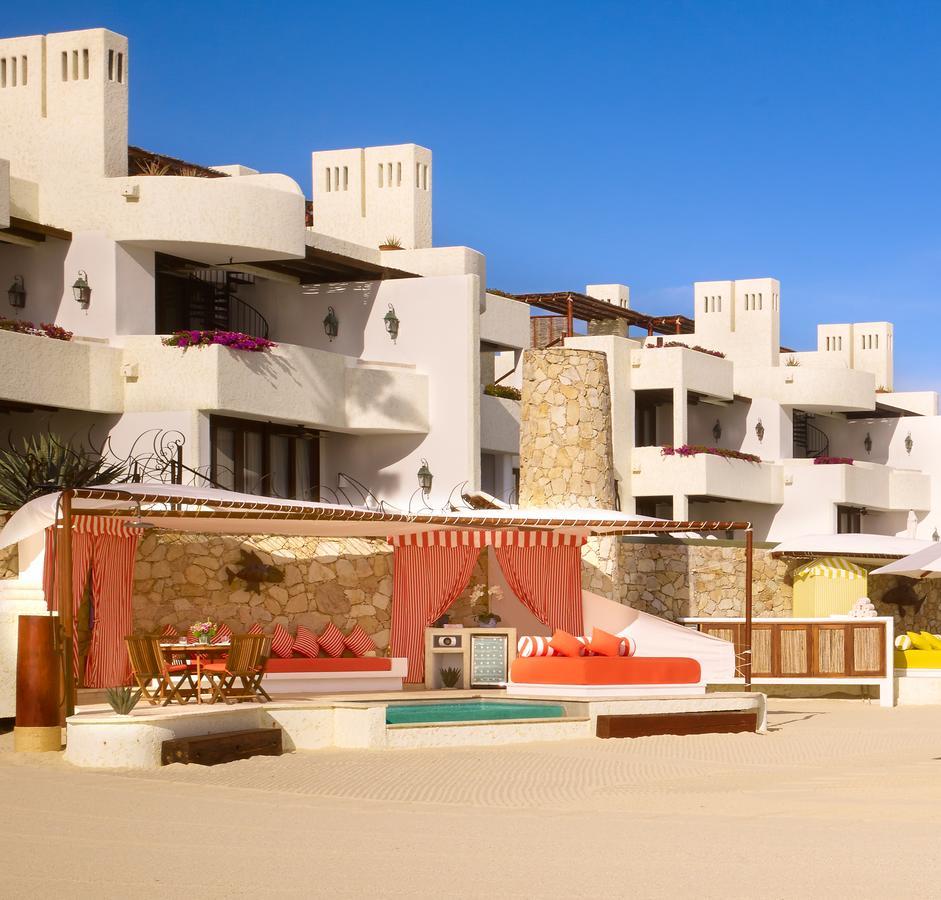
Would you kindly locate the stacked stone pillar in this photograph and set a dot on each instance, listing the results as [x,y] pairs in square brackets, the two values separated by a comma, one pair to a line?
[566,455]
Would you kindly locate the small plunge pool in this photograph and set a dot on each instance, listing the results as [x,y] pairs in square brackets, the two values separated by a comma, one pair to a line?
[470,711]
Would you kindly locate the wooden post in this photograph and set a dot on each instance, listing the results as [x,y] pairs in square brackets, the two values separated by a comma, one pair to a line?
[746,663]
[569,316]
[66,623]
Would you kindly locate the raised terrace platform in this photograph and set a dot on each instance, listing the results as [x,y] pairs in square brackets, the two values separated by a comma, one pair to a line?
[98,738]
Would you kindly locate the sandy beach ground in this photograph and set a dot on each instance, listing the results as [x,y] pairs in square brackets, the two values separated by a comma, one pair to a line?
[841,799]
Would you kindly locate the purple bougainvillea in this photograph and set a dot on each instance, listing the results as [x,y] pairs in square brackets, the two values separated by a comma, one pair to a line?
[696,449]
[232,339]
[43,329]
[832,461]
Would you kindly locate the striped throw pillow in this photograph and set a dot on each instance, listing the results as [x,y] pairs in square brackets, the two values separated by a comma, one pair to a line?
[282,644]
[534,646]
[305,643]
[903,642]
[169,631]
[359,643]
[331,639]
[223,634]
[256,629]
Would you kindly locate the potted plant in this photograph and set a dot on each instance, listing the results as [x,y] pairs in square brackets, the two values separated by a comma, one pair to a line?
[482,597]
[391,243]
[123,699]
[203,632]
[450,675]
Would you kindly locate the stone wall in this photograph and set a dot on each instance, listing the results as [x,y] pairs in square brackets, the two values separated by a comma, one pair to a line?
[687,579]
[9,559]
[180,578]
[566,454]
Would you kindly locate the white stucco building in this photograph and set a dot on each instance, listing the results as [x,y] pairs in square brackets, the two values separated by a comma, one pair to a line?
[166,245]
[786,407]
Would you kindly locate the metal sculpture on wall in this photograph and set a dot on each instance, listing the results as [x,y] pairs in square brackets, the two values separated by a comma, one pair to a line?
[254,572]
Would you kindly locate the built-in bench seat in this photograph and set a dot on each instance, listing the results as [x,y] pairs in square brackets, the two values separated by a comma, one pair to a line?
[326,674]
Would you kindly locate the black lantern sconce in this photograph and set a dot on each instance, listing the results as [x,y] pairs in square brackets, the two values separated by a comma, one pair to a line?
[717,430]
[425,477]
[331,324]
[935,536]
[81,289]
[760,431]
[909,443]
[867,443]
[392,323]
[17,293]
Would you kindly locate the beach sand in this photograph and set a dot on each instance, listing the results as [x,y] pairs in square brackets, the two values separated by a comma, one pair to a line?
[841,798]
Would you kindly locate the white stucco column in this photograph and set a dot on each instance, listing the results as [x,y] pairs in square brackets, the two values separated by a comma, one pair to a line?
[680,508]
[680,417]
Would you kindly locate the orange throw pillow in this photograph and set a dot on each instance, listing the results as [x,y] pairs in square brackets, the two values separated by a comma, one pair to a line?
[605,644]
[567,644]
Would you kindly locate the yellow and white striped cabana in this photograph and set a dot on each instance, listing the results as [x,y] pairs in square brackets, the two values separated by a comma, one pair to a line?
[828,586]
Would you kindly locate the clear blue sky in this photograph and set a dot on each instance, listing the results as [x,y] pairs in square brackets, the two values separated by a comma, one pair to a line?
[651,143]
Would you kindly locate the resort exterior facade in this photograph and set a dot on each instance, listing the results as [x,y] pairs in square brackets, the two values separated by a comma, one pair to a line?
[377,367]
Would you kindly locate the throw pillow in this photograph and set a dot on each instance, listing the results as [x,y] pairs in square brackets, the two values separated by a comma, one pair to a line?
[903,642]
[305,643]
[359,643]
[534,646]
[282,644]
[256,629]
[606,644]
[918,641]
[223,634]
[169,631]
[931,640]
[567,644]
[331,640]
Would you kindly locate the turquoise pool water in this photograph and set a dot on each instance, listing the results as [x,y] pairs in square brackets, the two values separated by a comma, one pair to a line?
[470,711]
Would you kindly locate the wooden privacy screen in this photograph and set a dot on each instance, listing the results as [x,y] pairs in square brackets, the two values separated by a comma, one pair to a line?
[808,649]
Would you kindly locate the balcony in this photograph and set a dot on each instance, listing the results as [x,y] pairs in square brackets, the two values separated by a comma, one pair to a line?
[40,371]
[291,383]
[656,475]
[862,484]
[499,424]
[213,220]
[812,389]
[674,368]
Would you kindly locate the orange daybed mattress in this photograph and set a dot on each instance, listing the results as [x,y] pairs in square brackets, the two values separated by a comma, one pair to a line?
[328,664]
[604,670]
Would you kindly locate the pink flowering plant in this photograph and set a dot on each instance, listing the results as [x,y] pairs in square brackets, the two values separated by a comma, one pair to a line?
[833,461]
[43,329]
[235,340]
[697,449]
[717,353]
[203,632]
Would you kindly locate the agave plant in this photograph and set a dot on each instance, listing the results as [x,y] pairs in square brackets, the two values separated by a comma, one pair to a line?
[45,463]
[450,676]
[123,699]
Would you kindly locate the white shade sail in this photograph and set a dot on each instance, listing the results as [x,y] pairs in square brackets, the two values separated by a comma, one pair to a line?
[924,563]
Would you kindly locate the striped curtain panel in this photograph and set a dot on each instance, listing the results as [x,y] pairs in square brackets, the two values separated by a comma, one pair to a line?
[428,574]
[103,549]
[544,570]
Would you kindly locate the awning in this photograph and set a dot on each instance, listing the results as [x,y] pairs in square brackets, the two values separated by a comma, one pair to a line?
[832,567]
[204,510]
[925,563]
[862,548]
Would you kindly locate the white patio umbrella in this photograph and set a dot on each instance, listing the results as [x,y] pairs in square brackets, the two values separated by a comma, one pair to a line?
[921,564]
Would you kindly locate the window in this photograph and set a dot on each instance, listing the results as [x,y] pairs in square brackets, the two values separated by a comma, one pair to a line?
[398,174]
[849,520]
[346,178]
[380,174]
[23,72]
[328,179]
[265,458]
[85,64]
[111,65]
[121,67]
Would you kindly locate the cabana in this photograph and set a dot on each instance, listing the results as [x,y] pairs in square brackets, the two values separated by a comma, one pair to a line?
[434,553]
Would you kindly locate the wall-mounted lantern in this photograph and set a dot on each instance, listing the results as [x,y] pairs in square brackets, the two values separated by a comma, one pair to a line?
[425,477]
[867,443]
[331,324]
[760,431]
[17,293]
[717,430]
[909,443]
[81,289]
[392,323]
[935,536]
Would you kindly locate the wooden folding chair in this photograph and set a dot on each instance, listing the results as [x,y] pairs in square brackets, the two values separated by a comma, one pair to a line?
[245,663]
[157,679]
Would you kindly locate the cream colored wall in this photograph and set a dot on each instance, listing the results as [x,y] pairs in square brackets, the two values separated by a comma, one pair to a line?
[4,193]
[679,369]
[505,322]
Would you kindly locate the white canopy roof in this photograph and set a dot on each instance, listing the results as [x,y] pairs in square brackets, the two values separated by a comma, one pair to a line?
[206,510]
[925,563]
[860,547]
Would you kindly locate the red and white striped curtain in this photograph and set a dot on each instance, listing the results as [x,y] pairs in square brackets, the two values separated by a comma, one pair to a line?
[431,568]
[105,549]
[428,574]
[544,570]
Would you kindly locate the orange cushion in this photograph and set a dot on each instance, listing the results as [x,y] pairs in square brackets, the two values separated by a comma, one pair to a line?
[605,644]
[566,644]
[604,670]
[328,664]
